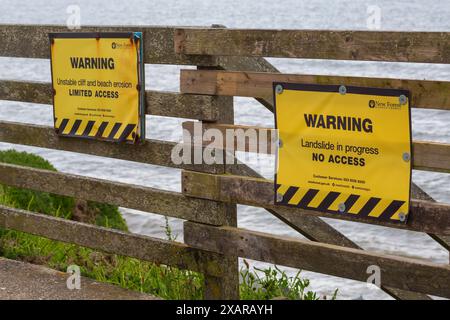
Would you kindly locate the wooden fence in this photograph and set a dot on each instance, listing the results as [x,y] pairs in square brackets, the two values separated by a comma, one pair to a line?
[230,63]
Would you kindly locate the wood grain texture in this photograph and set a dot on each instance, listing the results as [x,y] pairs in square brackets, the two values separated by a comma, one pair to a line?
[151,151]
[428,47]
[428,156]
[225,287]
[425,216]
[424,94]
[431,156]
[112,241]
[398,272]
[173,204]
[158,103]
[31,41]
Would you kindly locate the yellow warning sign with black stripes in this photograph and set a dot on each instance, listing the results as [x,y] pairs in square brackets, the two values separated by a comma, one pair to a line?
[98,85]
[344,150]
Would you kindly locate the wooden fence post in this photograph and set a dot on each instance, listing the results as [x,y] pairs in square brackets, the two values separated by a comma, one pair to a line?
[227,286]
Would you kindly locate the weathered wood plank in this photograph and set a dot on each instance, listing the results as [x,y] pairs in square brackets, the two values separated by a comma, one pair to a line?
[158,103]
[111,241]
[234,137]
[151,151]
[31,41]
[424,94]
[425,216]
[148,199]
[227,286]
[429,156]
[172,104]
[26,91]
[418,193]
[398,272]
[429,47]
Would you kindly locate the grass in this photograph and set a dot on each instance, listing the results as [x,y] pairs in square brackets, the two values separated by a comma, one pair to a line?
[163,281]
[273,283]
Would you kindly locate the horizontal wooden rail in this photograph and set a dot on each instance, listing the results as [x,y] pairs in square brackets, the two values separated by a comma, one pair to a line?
[398,272]
[429,156]
[429,47]
[244,138]
[26,91]
[31,41]
[154,152]
[424,94]
[158,103]
[425,216]
[112,241]
[148,199]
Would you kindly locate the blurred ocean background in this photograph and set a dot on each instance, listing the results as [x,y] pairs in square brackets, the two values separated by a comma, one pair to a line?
[399,15]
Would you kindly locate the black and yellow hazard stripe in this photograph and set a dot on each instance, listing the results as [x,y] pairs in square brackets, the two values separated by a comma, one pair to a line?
[330,201]
[104,130]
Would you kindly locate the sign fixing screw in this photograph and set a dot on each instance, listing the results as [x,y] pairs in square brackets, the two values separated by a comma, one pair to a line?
[279,197]
[402,99]
[279,89]
[342,90]
[402,216]
[406,156]
[341,207]
[280,143]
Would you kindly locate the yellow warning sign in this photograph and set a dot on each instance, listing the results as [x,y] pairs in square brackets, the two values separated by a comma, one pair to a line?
[98,85]
[344,150]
